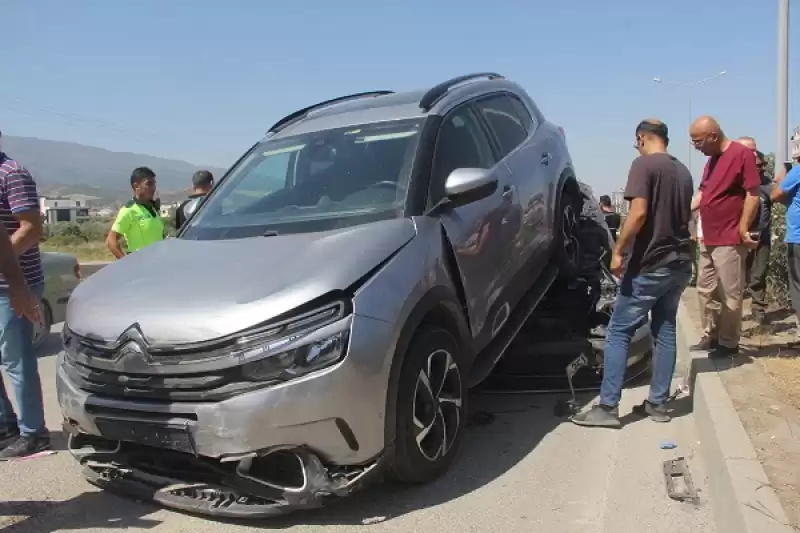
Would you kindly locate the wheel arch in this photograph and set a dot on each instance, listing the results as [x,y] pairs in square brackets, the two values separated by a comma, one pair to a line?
[440,305]
[567,182]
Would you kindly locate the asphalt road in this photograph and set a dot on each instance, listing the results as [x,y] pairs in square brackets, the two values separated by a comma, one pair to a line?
[525,471]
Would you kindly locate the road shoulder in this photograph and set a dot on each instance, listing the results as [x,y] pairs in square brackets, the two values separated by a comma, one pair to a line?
[748,438]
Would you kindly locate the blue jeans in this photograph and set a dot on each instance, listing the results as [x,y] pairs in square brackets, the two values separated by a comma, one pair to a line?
[657,292]
[22,368]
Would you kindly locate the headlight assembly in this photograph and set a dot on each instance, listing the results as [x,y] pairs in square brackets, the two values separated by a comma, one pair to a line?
[294,356]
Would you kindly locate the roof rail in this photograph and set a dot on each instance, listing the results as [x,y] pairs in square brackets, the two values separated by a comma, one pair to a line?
[302,113]
[436,93]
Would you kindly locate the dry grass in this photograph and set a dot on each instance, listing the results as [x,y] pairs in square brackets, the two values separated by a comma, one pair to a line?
[90,251]
[777,353]
[785,374]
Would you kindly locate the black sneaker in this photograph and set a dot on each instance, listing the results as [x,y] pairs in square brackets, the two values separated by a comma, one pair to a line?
[721,352]
[657,413]
[8,437]
[706,344]
[598,416]
[25,446]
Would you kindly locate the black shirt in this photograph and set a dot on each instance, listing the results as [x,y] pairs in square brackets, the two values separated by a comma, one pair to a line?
[763,221]
[613,221]
[667,186]
[180,215]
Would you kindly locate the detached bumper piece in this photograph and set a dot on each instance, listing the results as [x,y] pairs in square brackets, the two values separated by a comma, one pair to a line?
[257,486]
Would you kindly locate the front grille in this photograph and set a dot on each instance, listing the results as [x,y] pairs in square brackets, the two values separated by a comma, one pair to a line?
[199,387]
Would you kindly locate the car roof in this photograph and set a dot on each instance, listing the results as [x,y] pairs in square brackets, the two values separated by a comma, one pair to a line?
[381,106]
[396,106]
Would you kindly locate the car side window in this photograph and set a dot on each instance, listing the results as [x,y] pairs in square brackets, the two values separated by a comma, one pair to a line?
[522,112]
[461,143]
[505,122]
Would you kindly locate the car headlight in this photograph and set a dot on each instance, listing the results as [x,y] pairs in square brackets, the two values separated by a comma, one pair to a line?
[295,355]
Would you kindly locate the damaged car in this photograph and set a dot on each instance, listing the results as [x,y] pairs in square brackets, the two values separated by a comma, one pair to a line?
[318,320]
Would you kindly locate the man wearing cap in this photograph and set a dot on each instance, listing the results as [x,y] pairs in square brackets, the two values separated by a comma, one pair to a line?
[24,433]
[658,270]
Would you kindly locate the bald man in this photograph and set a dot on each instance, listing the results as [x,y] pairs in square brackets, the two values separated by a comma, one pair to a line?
[728,202]
[748,142]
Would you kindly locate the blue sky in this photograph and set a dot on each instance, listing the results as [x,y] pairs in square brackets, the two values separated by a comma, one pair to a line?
[201,80]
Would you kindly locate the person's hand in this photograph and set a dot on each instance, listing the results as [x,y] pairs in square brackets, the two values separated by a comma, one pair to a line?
[24,302]
[748,241]
[616,264]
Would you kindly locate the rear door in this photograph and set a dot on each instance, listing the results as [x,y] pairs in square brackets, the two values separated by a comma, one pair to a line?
[475,230]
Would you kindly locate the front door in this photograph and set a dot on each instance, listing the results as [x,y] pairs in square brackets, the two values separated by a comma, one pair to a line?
[477,230]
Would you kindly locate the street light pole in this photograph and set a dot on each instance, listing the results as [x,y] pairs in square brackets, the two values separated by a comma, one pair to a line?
[783,84]
[690,90]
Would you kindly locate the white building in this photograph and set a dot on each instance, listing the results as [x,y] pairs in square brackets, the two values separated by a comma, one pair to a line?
[619,202]
[64,209]
[795,144]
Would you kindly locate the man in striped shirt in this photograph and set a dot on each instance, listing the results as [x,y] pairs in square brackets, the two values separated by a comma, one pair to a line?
[26,434]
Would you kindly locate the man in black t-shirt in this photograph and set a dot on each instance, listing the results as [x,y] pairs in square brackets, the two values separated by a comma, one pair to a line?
[658,270]
[613,220]
[202,183]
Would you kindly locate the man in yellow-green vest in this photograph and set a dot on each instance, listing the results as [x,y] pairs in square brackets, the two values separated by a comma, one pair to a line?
[138,221]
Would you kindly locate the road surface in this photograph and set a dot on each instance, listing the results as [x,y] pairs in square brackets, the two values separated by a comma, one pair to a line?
[525,471]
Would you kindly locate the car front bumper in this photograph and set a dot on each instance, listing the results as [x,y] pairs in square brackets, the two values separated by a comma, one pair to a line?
[260,453]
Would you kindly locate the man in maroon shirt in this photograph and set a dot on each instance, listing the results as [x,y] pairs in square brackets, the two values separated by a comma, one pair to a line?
[728,202]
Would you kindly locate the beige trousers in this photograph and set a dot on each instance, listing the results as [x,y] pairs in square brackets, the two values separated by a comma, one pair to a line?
[720,289]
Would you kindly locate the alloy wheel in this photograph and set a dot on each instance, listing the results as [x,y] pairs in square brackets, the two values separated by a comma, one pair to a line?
[569,230]
[437,405]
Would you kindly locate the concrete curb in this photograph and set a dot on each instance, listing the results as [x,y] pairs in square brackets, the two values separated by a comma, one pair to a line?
[743,500]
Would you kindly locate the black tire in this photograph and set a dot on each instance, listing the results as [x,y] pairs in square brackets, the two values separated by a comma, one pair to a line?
[567,252]
[442,414]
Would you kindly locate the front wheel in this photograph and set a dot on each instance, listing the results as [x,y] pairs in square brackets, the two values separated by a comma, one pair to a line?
[431,407]
[568,247]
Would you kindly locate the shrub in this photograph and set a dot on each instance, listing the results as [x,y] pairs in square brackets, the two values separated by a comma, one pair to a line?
[777,276]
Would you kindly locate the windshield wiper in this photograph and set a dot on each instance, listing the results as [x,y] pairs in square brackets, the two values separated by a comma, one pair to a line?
[270,233]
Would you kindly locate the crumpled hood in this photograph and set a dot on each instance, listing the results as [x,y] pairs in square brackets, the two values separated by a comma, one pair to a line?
[181,291]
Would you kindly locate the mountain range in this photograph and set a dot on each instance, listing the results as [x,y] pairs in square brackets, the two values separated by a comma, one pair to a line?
[62,168]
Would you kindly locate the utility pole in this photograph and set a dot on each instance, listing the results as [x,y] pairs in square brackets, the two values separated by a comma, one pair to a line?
[782,137]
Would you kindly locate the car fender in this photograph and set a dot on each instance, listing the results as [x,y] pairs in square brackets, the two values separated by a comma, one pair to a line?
[403,291]
[446,299]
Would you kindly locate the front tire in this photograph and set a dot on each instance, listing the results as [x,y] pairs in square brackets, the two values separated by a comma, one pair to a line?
[568,246]
[431,407]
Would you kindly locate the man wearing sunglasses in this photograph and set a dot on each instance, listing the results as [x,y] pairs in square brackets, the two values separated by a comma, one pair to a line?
[728,200]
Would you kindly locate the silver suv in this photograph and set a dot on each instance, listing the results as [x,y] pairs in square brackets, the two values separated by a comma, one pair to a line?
[319,319]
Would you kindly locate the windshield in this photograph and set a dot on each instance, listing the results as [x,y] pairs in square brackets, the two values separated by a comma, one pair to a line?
[316,181]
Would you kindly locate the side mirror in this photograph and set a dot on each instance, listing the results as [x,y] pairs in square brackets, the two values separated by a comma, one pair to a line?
[465,185]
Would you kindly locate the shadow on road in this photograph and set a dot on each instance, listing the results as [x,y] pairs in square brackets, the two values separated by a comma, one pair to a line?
[89,510]
[507,429]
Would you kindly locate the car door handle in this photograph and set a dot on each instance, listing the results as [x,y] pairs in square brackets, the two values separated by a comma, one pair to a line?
[545,160]
[508,191]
